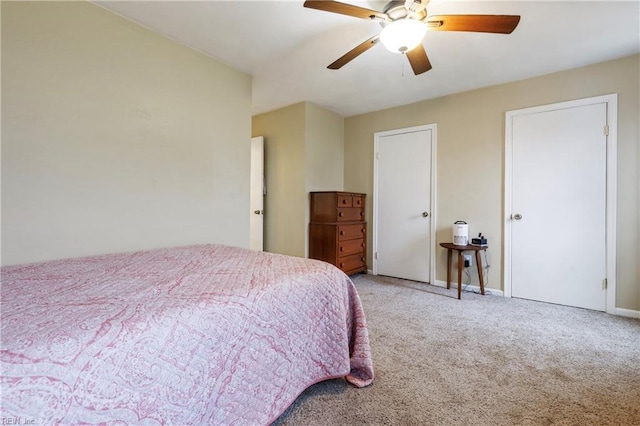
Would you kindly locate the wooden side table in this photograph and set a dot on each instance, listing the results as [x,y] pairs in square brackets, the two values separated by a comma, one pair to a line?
[460,249]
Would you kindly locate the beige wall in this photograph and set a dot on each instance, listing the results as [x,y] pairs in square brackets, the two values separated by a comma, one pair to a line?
[471,137]
[325,149]
[325,156]
[304,148]
[284,168]
[115,138]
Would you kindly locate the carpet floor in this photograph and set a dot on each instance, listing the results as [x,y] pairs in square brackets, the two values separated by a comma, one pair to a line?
[482,360]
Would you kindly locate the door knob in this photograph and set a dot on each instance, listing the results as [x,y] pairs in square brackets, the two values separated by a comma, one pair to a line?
[258,211]
[517,216]
[425,214]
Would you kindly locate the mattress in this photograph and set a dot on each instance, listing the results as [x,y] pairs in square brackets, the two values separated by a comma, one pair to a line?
[205,334]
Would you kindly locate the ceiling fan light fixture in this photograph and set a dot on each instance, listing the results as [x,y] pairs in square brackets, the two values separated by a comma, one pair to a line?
[403,35]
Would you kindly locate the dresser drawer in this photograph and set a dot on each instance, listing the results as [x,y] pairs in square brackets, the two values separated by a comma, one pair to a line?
[351,214]
[350,232]
[337,207]
[351,247]
[353,263]
[345,200]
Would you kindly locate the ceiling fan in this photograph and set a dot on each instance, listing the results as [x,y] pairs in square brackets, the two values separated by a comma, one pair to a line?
[404,25]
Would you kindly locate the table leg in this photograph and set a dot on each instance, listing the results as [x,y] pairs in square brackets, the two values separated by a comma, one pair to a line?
[479,263]
[460,263]
[448,268]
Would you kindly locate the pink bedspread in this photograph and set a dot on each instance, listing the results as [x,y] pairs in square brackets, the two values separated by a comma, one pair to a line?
[195,335]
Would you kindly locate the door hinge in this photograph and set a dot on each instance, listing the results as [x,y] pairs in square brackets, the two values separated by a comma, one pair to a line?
[377,155]
[606,130]
[604,284]
[376,255]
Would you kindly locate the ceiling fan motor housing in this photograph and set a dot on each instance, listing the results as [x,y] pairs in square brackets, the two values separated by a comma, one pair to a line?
[396,9]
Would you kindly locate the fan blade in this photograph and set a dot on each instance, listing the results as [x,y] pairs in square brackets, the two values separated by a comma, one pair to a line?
[418,60]
[500,24]
[345,9]
[354,53]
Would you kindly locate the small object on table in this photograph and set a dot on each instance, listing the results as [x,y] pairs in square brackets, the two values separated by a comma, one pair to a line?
[469,247]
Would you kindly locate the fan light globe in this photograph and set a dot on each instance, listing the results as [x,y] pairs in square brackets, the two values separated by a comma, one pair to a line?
[403,35]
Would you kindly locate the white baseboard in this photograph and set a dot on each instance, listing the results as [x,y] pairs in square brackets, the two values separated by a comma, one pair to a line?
[618,311]
[473,288]
[627,313]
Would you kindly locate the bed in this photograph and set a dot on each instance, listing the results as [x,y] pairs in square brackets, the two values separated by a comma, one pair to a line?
[205,334]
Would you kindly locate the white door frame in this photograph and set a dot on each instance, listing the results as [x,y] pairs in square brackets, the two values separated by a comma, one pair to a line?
[432,226]
[257,192]
[611,185]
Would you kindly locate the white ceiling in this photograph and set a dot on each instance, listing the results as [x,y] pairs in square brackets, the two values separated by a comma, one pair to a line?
[286,47]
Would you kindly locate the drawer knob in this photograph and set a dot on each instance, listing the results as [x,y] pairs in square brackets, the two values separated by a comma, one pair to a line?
[341,248]
[342,265]
[341,232]
[362,245]
[340,214]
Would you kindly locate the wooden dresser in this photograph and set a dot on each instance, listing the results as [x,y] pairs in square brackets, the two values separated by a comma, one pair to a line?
[338,231]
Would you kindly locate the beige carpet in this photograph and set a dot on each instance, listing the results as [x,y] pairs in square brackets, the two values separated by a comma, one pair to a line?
[482,361]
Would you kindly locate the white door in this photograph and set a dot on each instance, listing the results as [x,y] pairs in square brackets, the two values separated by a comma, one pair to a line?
[256,224]
[403,203]
[558,211]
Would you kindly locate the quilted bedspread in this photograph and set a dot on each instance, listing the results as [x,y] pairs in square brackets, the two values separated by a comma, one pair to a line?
[194,335]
